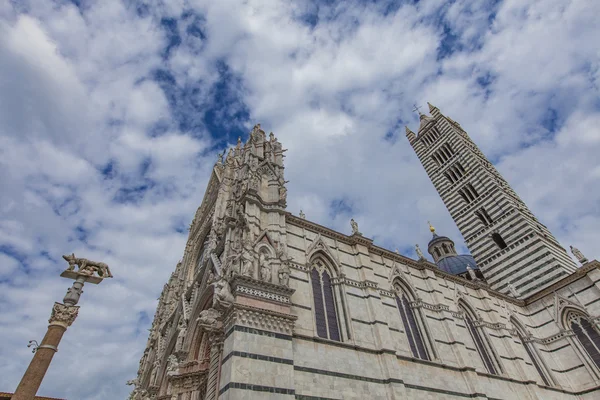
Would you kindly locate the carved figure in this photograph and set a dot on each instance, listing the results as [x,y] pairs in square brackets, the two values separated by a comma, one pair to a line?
[282,193]
[302,215]
[354,226]
[87,267]
[472,273]
[154,375]
[172,364]
[265,267]
[513,291]
[419,252]
[209,317]
[284,275]
[578,254]
[222,292]
[247,259]
[182,326]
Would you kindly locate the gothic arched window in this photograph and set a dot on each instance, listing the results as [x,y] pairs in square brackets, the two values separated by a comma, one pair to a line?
[586,334]
[326,318]
[498,240]
[531,352]
[481,343]
[416,336]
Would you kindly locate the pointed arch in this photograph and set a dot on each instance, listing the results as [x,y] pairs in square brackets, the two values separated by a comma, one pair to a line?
[482,343]
[587,334]
[531,351]
[326,304]
[416,330]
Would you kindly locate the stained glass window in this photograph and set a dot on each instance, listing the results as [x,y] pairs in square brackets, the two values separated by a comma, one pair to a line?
[478,339]
[326,318]
[413,333]
[588,337]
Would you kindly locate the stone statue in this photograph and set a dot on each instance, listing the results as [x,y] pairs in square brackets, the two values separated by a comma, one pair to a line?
[209,317]
[154,375]
[282,193]
[472,273]
[88,267]
[579,255]
[284,275]
[247,259]
[220,158]
[265,267]
[354,226]
[302,215]
[419,252]
[172,364]
[222,292]
[182,327]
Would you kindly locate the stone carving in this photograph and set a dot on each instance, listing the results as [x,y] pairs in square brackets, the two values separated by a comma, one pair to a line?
[247,259]
[354,226]
[302,215]
[87,267]
[419,252]
[209,318]
[579,255]
[284,275]
[265,267]
[172,365]
[282,194]
[182,327]
[63,314]
[513,291]
[222,292]
[154,375]
[472,273]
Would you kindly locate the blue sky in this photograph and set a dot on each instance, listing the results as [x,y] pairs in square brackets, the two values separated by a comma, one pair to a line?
[112,114]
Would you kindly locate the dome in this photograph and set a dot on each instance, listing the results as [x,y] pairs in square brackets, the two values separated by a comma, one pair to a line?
[457,265]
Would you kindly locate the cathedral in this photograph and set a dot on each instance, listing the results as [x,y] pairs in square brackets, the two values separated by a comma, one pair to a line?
[269,305]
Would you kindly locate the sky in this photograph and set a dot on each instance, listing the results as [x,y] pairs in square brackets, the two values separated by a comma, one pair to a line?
[112,114]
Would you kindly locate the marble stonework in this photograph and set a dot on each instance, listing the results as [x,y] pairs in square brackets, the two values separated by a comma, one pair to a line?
[251,335]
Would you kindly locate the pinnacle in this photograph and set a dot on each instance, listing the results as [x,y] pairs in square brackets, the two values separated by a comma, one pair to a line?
[431,107]
[408,131]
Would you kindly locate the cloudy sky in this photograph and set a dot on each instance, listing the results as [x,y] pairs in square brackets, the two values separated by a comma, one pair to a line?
[112,114]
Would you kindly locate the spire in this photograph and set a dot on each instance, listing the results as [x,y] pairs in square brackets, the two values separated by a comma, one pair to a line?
[432,107]
[408,131]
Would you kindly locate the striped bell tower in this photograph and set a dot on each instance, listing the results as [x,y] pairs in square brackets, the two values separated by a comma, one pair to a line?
[516,253]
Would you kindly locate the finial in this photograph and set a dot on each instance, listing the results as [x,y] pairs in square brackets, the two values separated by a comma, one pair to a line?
[239,142]
[397,251]
[431,228]
[431,107]
[302,215]
[417,109]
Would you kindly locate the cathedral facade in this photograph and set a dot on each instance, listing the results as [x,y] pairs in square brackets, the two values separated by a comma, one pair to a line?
[268,305]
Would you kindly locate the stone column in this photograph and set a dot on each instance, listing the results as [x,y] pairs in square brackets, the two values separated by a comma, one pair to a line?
[61,318]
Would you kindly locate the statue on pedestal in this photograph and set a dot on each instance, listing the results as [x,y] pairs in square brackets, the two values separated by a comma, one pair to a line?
[265,267]
[354,226]
[579,255]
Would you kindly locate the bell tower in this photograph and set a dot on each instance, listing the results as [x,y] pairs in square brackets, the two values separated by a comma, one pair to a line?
[509,244]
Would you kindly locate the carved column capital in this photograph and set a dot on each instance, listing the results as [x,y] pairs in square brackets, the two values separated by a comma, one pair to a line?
[63,315]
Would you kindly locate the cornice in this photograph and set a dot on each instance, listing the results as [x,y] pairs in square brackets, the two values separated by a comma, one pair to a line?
[580,273]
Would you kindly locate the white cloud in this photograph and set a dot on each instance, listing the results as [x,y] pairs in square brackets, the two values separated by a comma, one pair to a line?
[77,97]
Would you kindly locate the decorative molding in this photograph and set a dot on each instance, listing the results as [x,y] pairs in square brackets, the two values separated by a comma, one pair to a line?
[63,315]
[427,306]
[386,293]
[248,286]
[564,333]
[253,317]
